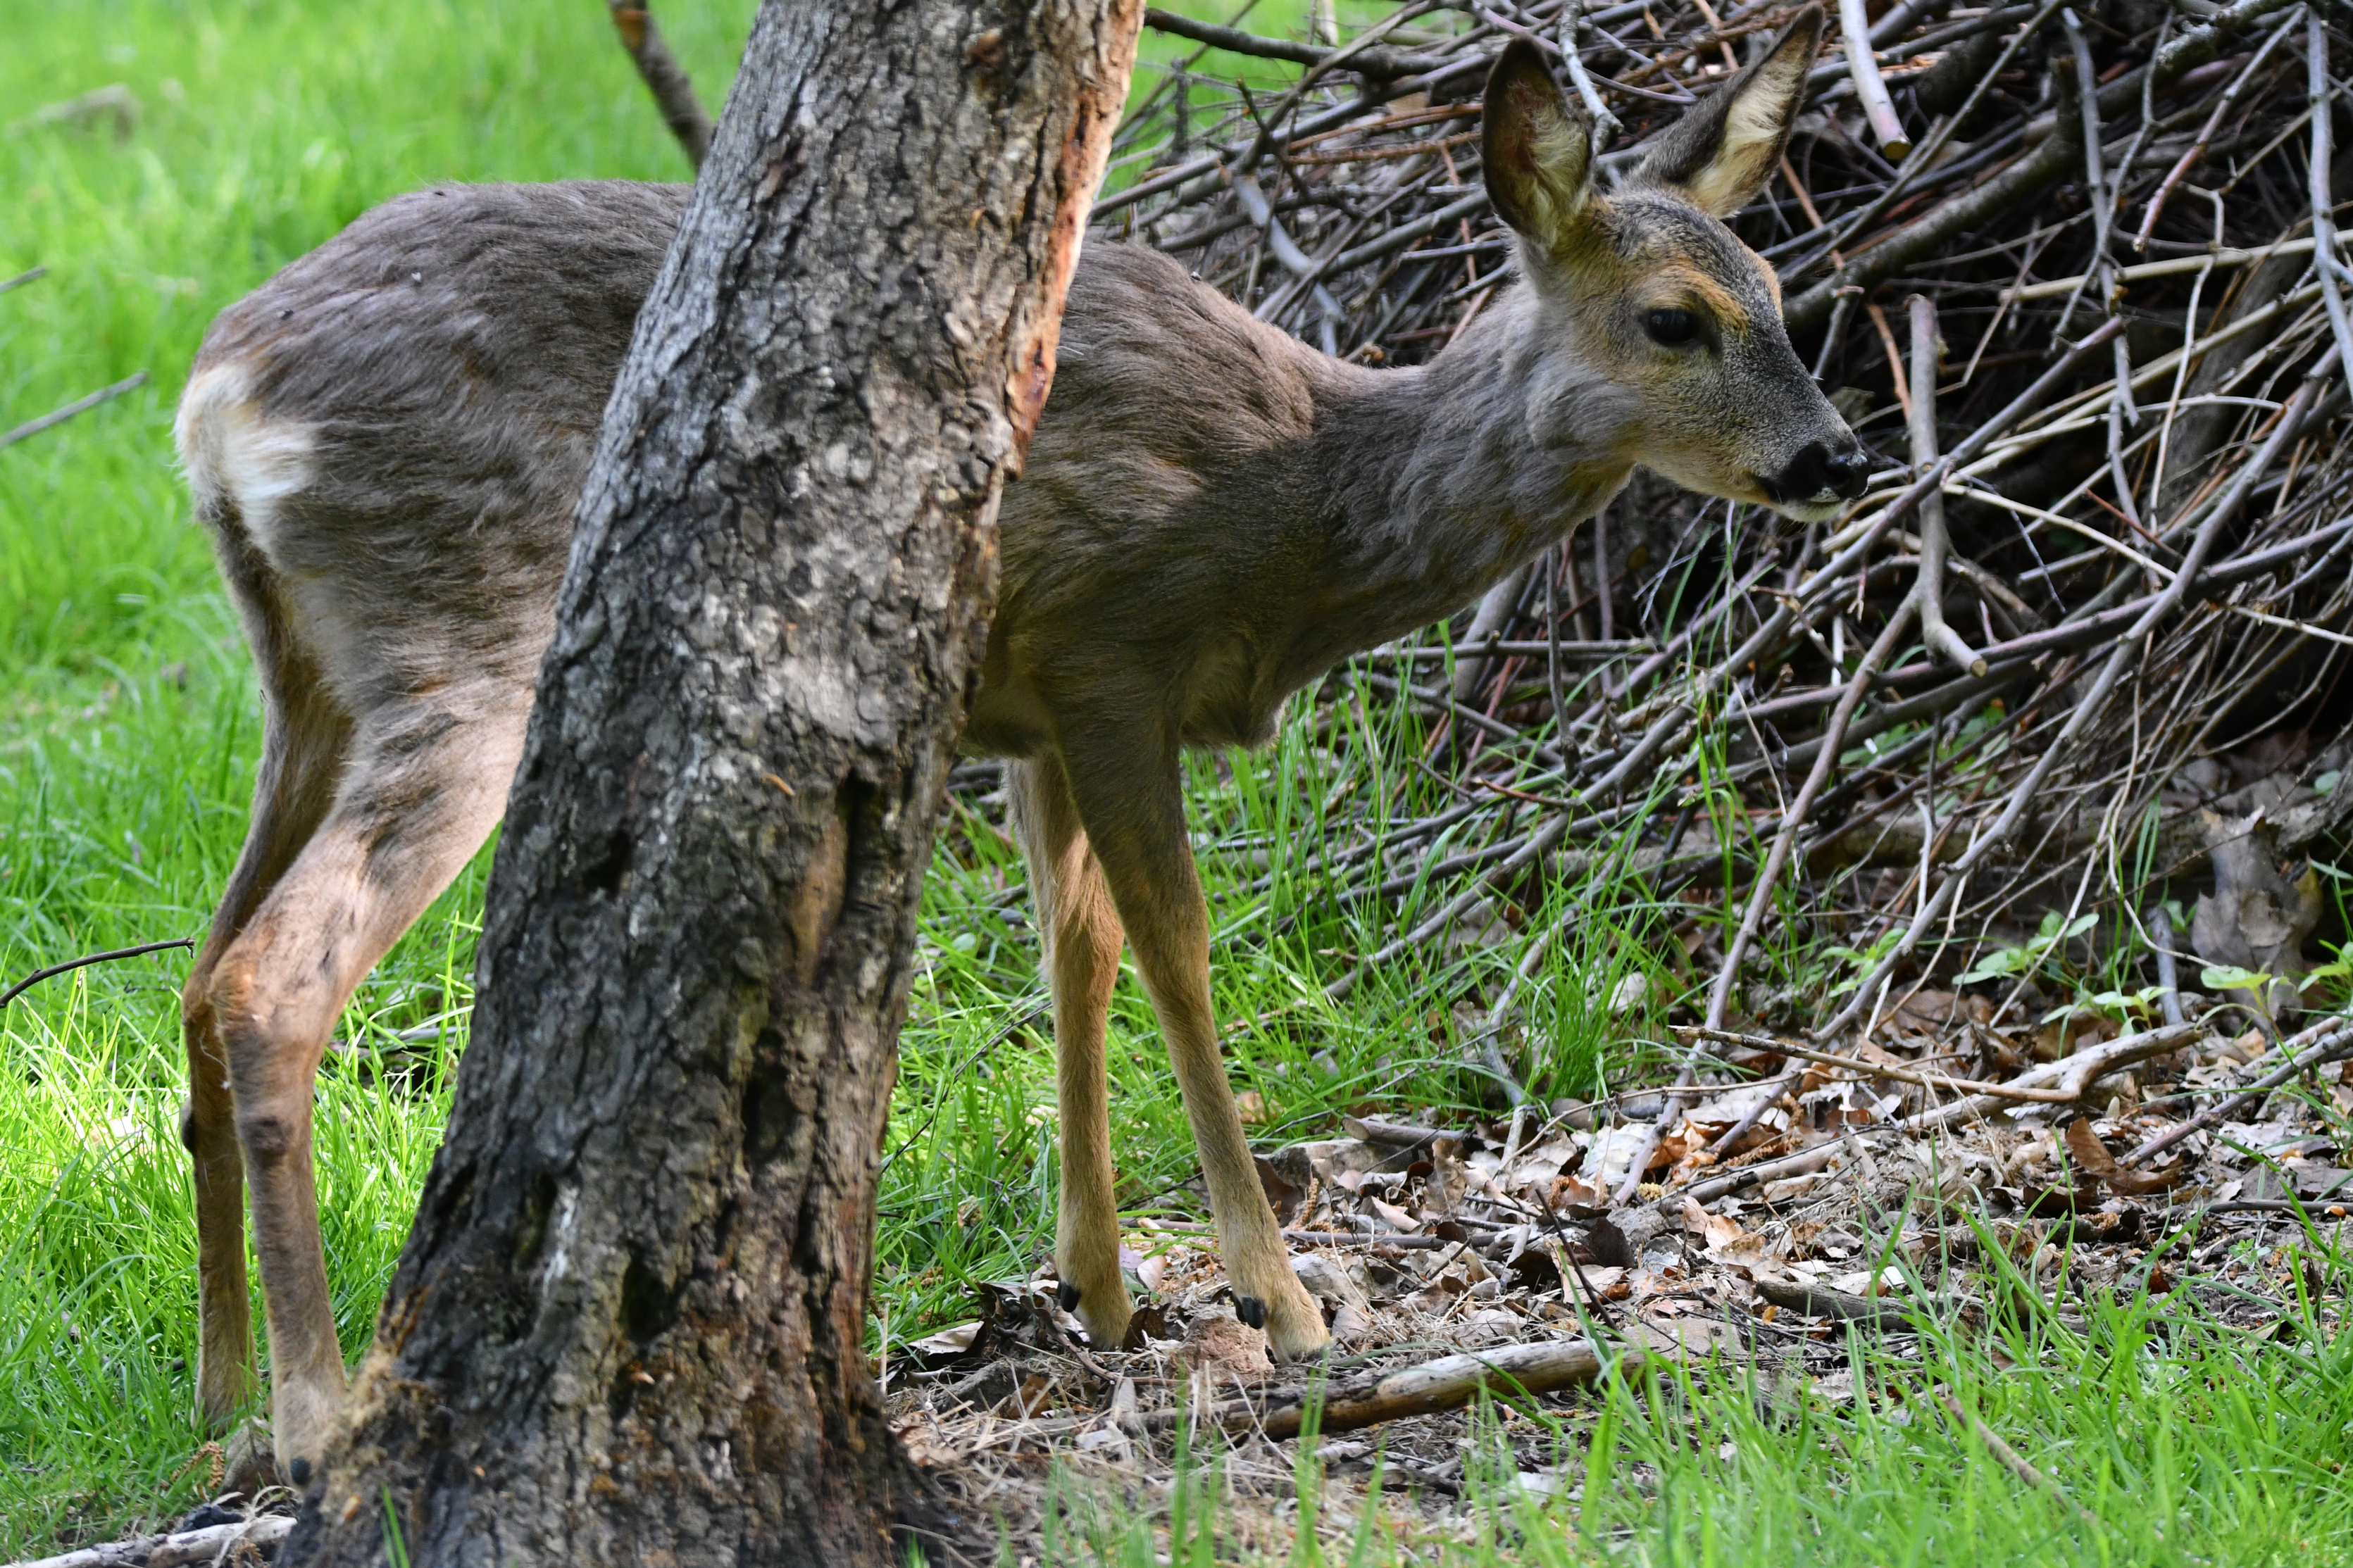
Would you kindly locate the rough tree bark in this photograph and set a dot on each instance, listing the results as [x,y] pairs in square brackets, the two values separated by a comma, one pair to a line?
[628,1325]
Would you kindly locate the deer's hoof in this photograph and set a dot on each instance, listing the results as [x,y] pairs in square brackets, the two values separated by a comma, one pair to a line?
[1104,1311]
[249,1463]
[1251,1310]
[1295,1329]
[302,1412]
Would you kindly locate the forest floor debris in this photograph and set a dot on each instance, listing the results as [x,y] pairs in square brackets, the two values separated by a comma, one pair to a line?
[1427,1246]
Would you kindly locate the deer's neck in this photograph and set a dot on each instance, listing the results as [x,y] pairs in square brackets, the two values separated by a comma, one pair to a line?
[1449,476]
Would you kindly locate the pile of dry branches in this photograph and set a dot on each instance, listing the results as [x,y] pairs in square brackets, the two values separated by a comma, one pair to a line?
[2079,646]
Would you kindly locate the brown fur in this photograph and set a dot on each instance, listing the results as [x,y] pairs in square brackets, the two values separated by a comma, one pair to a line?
[387,440]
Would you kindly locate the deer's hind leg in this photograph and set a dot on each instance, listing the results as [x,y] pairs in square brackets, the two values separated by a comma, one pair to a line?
[423,783]
[304,738]
[1080,932]
[1125,784]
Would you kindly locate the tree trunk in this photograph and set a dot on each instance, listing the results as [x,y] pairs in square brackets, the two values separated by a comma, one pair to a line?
[628,1324]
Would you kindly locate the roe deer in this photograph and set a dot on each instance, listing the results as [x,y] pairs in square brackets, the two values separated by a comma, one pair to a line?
[387,441]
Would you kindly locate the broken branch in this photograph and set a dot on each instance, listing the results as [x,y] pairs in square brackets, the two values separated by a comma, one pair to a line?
[213,1543]
[672,90]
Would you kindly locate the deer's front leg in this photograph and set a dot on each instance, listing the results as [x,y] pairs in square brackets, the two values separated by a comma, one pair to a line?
[1128,796]
[1081,935]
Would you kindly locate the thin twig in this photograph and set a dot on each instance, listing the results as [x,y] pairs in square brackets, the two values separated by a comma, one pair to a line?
[78,405]
[1928,591]
[2008,1457]
[85,961]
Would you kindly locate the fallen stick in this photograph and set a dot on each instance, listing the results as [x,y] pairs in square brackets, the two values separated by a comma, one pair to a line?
[1405,1241]
[1397,1134]
[1874,1069]
[1605,125]
[1814,1302]
[206,1545]
[2077,1072]
[2074,1074]
[2223,255]
[1929,590]
[1870,87]
[2331,1047]
[2009,1458]
[1804,1162]
[1446,1384]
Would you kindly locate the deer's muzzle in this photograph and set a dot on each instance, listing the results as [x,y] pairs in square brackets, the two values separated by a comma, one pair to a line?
[1820,471]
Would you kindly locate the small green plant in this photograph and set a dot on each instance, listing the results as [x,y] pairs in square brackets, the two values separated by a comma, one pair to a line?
[1860,961]
[2028,958]
[2334,972]
[2124,1006]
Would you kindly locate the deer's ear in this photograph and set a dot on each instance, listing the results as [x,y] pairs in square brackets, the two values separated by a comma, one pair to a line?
[1537,151]
[1725,148]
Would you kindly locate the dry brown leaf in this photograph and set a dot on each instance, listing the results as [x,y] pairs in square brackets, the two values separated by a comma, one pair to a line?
[1328,1282]
[1921,1013]
[950,1341]
[1712,1230]
[1281,1195]
[1035,1393]
[1575,1194]
[1448,1177]
[1612,1155]
[923,1445]
[2084,1146]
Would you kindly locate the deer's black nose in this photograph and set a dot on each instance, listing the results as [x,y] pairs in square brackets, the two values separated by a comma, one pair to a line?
[1818,467]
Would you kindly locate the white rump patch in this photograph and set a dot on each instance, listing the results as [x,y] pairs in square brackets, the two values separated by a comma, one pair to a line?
[235,457]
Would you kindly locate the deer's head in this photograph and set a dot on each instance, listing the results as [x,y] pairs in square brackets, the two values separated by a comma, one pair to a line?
[1646,287]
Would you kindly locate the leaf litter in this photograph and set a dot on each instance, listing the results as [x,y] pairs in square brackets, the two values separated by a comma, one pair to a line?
[1854,1203]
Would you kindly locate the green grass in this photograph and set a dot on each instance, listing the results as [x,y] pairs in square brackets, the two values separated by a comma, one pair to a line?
[2161,1437]
[128,719]
[128,733]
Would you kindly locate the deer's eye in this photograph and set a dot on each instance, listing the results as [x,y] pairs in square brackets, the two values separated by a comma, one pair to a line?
[1673,329]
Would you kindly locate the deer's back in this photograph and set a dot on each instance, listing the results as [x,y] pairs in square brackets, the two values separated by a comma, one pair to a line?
[389,436]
